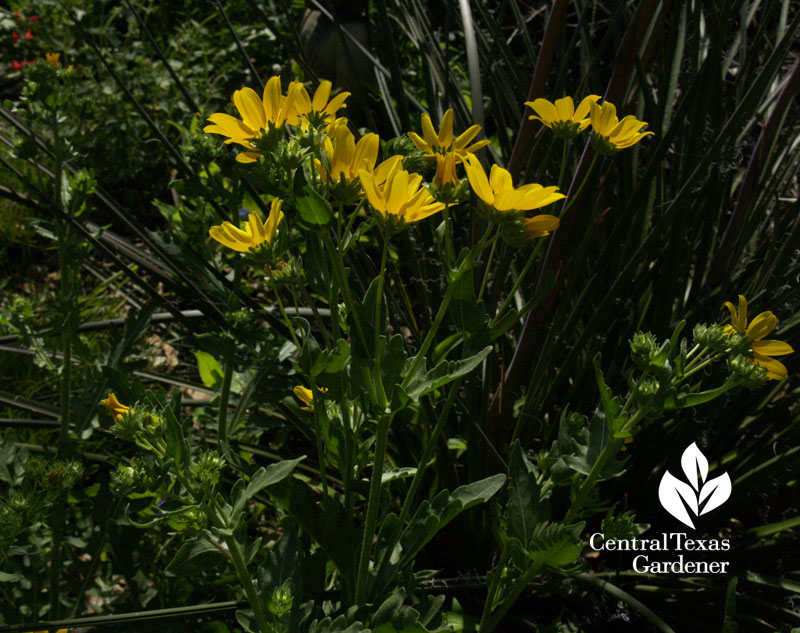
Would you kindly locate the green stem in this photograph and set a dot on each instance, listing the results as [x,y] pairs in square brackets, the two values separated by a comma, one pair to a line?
[378,378]
[57,523]
[221,521]
[517,282]
[448,295]
[222,421]
[564,152]
[286,319]
[491,618]
[317,412]
[372,508]
[697,368]
[488,265]
[247,584]
[588,484]
[338,266]
[421,466]
[578,191]
[448,242]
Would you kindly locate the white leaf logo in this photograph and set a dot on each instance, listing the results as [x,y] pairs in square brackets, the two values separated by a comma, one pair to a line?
[676,496]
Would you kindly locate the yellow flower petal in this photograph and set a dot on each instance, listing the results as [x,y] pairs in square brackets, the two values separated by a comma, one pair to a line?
[445,137]
[540,225]
[272,98]
[418,141]
[500,179]
[776,370]
[250,107]
[321,95]
[374,196]
[547,111]
[431,138]
[466,136]
[274,219]
[229,126]
[582,111]
[477,179]
[565,109]
[771,347]
[247,157]
[384,169]
[760,326]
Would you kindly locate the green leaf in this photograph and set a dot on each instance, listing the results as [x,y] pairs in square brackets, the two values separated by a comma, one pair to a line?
[523,495]
[432,516]
[177,447]
[211,372]
[610,402]
[262,478]
[556,545]
[363,315]
[314,210]
[446,371]
[194,555]
[465,310]
[397,473]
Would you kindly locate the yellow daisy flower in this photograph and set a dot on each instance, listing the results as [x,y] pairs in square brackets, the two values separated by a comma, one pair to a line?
[609,133]
[562,117]
[443,142]
[52,59]
[255,232]
[321,105]
[499,193]
[401,199]
[759,327]
[346,156]
[114,406]
[272,109]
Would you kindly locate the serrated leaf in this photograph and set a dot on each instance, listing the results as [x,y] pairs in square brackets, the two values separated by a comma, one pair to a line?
[432,516]
[556,545]
[523,495]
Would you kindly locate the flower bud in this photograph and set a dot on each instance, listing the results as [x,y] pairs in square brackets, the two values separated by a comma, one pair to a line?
[711,336]
[644,348]
[206,469]
[742,369]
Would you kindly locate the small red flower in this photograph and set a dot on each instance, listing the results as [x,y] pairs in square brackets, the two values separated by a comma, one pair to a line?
[15,35]
[17,15]
[28,35]
[16,65]
[34,18]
